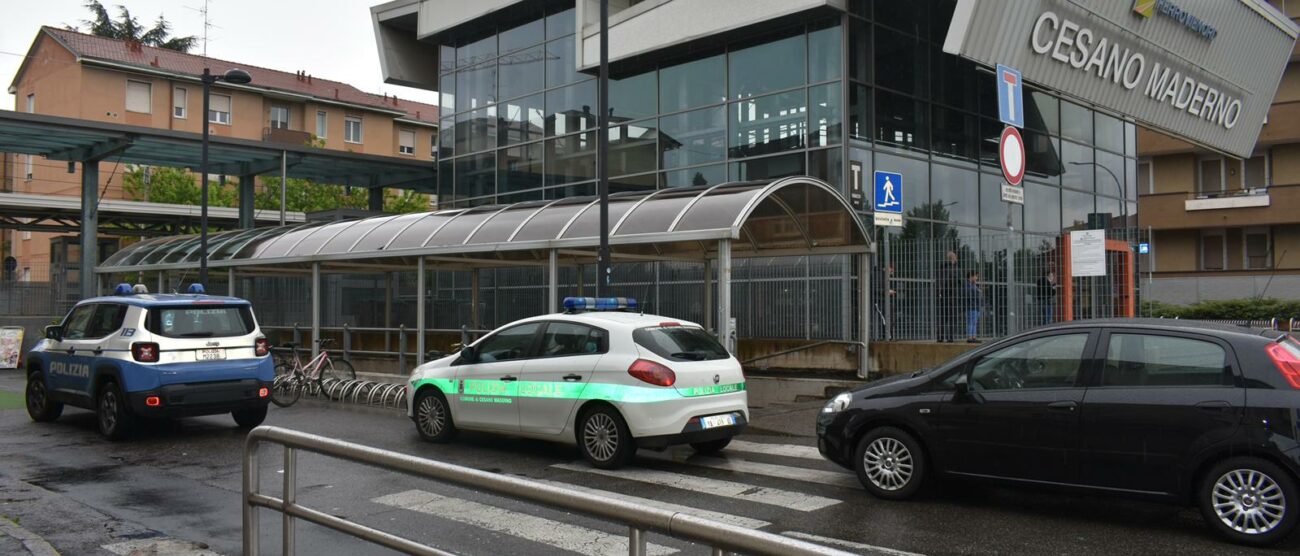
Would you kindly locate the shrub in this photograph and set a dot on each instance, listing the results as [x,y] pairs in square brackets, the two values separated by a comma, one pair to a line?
[1229,309]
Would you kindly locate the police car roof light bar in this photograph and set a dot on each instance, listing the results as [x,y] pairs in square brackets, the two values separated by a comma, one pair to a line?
[195,289]
[122,289]
[576,304]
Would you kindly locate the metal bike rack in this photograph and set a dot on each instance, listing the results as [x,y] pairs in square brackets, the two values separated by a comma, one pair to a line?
[638,518]
[355,391]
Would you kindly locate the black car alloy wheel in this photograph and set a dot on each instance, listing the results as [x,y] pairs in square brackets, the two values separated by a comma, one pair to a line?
[432,417]
[1249,500]
[889,463]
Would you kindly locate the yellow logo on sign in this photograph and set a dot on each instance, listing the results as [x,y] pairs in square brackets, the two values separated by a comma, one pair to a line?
[1144,8]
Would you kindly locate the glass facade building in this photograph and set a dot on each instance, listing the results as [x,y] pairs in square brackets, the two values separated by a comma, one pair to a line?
[809,94]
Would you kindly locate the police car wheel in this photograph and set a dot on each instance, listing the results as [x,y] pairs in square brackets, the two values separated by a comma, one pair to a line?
[712,446]
[433,417]
[249,418]
[114,417]
[889,463]
[39,406]
[604,438]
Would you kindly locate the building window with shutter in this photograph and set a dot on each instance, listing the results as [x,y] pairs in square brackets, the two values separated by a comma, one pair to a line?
[406,142]
[219,109]
[139,97]
[279,117]
[352,129]
[1213,250]
[1258,249]
[180,99]
[322,124]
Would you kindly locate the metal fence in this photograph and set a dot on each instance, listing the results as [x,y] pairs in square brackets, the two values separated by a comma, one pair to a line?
[639,519]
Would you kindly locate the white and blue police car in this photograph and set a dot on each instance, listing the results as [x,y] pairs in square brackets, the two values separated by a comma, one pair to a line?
[599,374]
[135,354]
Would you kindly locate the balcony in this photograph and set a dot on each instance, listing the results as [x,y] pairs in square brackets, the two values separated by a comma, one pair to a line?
[1274,205]
[284,136]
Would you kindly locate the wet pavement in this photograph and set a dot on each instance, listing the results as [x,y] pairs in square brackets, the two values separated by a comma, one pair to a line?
[178,484]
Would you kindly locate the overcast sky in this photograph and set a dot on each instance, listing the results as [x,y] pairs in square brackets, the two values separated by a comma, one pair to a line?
[327,38]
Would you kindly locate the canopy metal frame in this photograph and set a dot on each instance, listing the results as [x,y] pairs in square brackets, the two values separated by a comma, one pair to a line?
[713,225]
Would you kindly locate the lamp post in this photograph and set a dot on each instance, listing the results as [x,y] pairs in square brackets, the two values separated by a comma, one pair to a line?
[237,77]
[602,154]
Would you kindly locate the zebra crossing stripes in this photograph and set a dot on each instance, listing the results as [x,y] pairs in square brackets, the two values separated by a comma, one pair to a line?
[785,450]
[730,519]
[573,538]
[737,465]
[797,501]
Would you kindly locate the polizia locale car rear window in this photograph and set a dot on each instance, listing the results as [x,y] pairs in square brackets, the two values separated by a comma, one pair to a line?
[200,321]
[680,343]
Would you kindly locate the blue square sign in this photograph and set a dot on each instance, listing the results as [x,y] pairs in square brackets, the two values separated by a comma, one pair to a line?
[1011,100]
[1144,248]
[889,192]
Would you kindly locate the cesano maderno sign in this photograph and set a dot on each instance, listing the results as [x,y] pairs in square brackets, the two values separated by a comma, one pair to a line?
[1205,71]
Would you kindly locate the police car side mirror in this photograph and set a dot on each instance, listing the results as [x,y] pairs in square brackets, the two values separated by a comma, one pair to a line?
[469,354]
[54,332]
[962,385]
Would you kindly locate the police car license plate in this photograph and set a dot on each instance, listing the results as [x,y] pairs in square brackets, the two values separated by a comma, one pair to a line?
[212,354]
[713,421]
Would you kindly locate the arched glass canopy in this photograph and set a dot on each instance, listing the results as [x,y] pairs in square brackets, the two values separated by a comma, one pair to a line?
[787,216]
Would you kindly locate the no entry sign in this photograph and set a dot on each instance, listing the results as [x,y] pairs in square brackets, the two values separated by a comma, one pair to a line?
[1011,151]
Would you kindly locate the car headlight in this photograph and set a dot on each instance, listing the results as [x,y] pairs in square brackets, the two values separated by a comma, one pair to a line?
[838,403]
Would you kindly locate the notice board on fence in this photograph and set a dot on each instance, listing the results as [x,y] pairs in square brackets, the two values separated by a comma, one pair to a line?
[11,346]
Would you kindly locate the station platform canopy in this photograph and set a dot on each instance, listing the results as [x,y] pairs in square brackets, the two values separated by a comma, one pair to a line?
[790,216]
[76,140]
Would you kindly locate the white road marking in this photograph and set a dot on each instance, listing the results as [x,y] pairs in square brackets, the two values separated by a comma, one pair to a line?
[864,548]
[787,450]
[159,545]
[740,491]
[833,478]
[737,520]
[537,529]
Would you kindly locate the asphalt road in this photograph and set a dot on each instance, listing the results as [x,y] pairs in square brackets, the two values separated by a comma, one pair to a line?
[180,482]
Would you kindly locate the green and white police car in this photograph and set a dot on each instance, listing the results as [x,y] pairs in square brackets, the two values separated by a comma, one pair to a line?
[600,374]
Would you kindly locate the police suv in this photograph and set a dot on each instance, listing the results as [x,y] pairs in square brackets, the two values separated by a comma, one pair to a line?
[599,374]
[135,354]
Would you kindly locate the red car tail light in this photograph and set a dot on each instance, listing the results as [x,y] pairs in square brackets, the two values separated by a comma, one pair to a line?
[263,392]
[261,347]
[145,352]
[153,401]
[1287,362]
[651,372]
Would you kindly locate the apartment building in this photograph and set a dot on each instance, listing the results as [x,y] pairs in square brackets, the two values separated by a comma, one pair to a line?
[1222,227]
[76,75]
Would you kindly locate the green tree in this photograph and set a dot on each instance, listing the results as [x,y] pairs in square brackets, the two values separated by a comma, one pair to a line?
[126,27]
[309,196]
[176,186]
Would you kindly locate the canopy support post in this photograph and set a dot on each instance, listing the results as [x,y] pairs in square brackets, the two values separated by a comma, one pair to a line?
[553,282]
[474,300]
[376,199]
[419,311]
[726,336]
[864,314]
[315,309]
[89,227]
[230,281]
[162,282]
[708,294]
[582,277]
[247,193]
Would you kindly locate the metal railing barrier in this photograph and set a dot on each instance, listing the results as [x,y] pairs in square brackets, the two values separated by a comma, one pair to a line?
[638,518]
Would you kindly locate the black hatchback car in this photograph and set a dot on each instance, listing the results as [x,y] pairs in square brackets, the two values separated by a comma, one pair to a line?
[1192,413]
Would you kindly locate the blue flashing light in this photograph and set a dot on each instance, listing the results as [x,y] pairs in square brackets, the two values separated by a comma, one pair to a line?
[195,289]
[122,289]
[574,304]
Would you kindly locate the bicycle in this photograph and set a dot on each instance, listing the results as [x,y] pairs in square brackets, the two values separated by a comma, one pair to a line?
[293,377]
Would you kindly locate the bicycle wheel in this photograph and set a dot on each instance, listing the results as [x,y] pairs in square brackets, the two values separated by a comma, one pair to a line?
[339,369]
[287,387]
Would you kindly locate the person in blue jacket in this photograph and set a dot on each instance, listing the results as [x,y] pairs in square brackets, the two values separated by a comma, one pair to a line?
[973,300]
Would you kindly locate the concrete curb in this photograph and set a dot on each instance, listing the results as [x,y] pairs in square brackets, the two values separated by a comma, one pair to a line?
[31,541]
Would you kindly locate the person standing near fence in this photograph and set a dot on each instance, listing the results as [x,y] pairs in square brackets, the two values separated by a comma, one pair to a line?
[1046,294]
[949,301]
[973,298]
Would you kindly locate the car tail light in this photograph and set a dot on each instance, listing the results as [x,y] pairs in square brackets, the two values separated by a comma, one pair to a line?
[263,392]
[261,347]
[654,373]
[145,352]
[153,401]
[1286,360]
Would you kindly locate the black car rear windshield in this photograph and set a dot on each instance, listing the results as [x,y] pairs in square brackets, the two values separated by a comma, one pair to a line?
[680,343]
[201,321]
